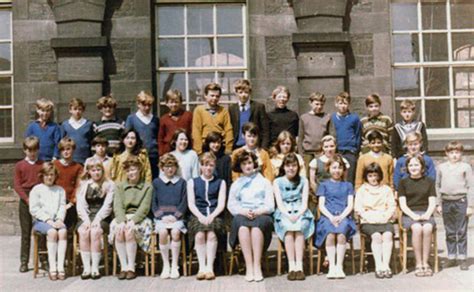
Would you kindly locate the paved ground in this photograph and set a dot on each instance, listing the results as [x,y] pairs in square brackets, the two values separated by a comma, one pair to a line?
[448,280]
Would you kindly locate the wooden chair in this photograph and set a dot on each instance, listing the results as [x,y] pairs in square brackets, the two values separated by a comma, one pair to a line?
[114,260]
[37,252]
[154,251]
[364,253]
[309,250]
[76,251]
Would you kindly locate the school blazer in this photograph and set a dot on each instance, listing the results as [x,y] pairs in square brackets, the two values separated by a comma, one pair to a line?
[258,116]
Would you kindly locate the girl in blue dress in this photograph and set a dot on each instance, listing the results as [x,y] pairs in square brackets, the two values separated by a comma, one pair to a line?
[335,224]
[293,220]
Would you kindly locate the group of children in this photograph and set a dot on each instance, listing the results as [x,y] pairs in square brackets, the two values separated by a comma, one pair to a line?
[176,174]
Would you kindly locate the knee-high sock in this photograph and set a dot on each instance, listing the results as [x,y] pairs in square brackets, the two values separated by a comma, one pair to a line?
[122,254]
[331,252]
[299,266]
[165,254]
[62,245]
[201,255]
[341,252]
[52,247]
[131,254]
[86,261]
[377,252]
[211,248]
[95,262]
[175,248]
[386,254]
[291,266]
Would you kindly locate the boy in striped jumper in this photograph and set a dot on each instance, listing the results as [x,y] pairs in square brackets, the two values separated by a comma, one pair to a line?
[375,121]
[109,127]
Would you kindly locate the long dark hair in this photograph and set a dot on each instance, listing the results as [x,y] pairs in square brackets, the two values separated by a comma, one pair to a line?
[291,158]
[213,137]
[175,138]
[138,146]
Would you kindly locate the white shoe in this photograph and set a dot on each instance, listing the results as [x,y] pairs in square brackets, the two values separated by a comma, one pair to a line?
[165,273]
[340,273]
[332,273]
[174,273]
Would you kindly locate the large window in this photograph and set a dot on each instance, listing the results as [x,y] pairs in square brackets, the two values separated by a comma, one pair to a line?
[433,61]
[197,44]
[6,73]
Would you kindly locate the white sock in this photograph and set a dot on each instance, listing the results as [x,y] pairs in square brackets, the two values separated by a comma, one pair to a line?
[387,254]
[331,253]
[95,262]
[211,254]
[131,254]
[52,252]
[165,254]
[175,249]
[341,252]
[299,266]
[122,254]
[62,245]
[201,255]
[86,261]
[291,266]
[377,252]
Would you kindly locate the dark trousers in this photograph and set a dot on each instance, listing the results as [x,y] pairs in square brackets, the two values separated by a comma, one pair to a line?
[155,171]
[26,224]
[352,159]
[455,225]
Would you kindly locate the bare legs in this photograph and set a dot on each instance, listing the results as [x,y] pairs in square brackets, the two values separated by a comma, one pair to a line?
[421,241]
[251,241]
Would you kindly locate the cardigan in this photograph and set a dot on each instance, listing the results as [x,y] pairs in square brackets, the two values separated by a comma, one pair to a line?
[264,163]
[81,136]
[401,172]
[48,203]
[313,127]
[68,178]
[385,162]
[348,131]
[188,164]
[168,125]
[281,120]
[132,199]
[204,123]
[118,173]
[82,207]
[374,204]
[169,197]
[49,138]
[26,177]
[258,116]
[147,132]
[380,123]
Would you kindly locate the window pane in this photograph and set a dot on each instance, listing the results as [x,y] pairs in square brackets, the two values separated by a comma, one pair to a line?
[406,48]
[227,80]
[404,16]
[229,19]
[407,82]
[5,91]
[197,81]
[433,15]
[200,52]
[436,82]
[5,27]
[435,47]
[171,52]
[200,19]
[231,52]
[463,81]
[5,123]
[5,57]
[464,112]
[398,117]
[462,14]
[170,20]
[463,46]
[437,114]
[170,80]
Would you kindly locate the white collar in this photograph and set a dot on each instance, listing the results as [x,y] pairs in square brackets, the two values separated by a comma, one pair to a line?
[376,154]
[246,105]
[205,179]
[146,119]
[63,162]
[76,124]
[166,180]
[32,162]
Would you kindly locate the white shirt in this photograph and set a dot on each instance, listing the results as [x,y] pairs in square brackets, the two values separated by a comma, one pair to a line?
[145,119]
[76,124]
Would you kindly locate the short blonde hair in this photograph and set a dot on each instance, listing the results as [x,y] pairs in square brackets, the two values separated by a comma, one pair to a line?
[173,94]
[281,89]
[206,158]
[66,142]
[345,96]
[407,104]
[168,160]
[106,101]
[317,96]
[414,136]
[77,102]
[44,104]
[91,163]
[31,143]
[328,138]
[47,168]
[145,98]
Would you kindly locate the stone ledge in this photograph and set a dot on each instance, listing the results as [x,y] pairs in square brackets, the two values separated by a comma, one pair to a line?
[85,42]
[329,38]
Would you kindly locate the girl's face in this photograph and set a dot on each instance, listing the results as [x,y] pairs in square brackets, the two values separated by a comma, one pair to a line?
[415,168]
[207,169]
[130,140]
[329,148]
[170,170]
[133,174]
[291,169]
[49,178]
[281,99]
[336,170]
[373,179]
[182,142]
[96,173]
[247,167]
[215,146]
[43,114]
[285,146]
[144,107]
[251,140]
[100,150]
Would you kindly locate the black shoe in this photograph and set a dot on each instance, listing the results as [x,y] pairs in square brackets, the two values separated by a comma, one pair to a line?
[464,265]
[95,276]
[85,276]
[449,264]
[379,274]
[388,274]
[23,268]
[122,275]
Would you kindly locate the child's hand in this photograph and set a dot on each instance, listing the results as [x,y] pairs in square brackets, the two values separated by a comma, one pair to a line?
[68,205]
[95,224]
[439,209]
[172,219]
[250,214]
[334,221]
[416,217]
[294,218]
[469,211]
[202,220]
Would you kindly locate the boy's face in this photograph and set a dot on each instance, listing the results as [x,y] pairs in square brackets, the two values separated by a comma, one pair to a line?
[342,106]
[243,94]
[317,106]
[76,112]
[454,155]
[250,140]
[376,145]
[174,104]
[108,112]
[407,114]
[43,114]
[208,168]
[144,107]
[413,147]
[212,98]
[281,100]
[373,109]
[32,154]
[67,152]
[100,150]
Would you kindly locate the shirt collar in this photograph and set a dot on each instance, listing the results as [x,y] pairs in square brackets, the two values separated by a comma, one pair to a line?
[31,161]
[76,124]
[246,105]
[167,180]
[139,185]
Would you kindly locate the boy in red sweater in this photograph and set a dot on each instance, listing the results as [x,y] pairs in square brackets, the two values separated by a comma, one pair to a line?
[26,177]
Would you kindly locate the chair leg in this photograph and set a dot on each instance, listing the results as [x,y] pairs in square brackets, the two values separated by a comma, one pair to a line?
[114,261]
[35,256]
[310,250]
[74,253]
[190,263]
[353,258]
[147,263]
[224,262]
[153,253]
[183,255]
[318,265]
[404,253]
[106,255]
[231,264]
[362,254]
[435,252]
[279,251]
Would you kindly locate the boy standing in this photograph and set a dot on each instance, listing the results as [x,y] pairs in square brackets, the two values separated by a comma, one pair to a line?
[26,177]
[375,121]
[347,129]
[79,129]
[247,110]
[455,189]
[211,117]
[282,118]
[406,126]
[109,126]
[45,130]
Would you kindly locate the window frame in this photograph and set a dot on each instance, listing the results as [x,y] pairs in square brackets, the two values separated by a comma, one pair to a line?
[421,65]
[216,69]
[7,5]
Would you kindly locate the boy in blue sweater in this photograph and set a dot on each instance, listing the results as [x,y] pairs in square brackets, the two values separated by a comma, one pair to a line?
[45,130]
[147,125]
[78,129]
[347,129]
